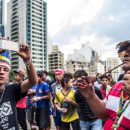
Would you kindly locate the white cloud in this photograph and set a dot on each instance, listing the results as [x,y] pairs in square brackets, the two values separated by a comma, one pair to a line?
[98,21]
[65,13]
[60,12]
[101,45]
[73,22]
[88,12]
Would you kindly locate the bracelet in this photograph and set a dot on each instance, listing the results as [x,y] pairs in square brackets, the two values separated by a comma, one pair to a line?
[28,62]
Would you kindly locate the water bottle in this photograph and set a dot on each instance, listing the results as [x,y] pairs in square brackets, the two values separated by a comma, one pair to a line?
[65,104]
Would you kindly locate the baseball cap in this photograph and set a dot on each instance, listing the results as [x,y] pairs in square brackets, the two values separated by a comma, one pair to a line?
[59,71]
[40,73]
[20,72]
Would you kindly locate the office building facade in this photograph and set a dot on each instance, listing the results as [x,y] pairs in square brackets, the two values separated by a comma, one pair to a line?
[28,24]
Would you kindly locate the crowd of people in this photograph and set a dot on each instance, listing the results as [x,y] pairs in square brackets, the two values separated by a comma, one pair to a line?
[61,99]
[73,101]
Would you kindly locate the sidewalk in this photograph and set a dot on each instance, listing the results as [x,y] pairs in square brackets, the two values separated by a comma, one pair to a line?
[52,125]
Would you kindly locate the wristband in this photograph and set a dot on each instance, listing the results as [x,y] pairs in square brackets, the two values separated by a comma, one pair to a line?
[28,62]
[37,98]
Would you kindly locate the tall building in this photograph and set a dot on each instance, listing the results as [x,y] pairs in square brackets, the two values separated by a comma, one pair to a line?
[84,58]
[96,67]
[55,59]
[2,18]
[28,24]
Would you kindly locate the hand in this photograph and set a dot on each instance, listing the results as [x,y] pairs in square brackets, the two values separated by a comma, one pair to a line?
[2,51]
[66,99]
[24,52]
[86,87]
[126,83]
[35,99]
[31,92]
[63,110]
[53,106]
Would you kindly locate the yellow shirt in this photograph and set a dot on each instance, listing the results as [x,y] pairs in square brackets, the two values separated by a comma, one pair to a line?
[68,116]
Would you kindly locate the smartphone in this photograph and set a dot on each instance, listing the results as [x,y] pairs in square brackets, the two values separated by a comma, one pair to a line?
[9,45]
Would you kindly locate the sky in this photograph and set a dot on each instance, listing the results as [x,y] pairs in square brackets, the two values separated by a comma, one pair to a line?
[100,23]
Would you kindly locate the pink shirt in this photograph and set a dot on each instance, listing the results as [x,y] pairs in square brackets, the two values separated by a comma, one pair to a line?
[22,103]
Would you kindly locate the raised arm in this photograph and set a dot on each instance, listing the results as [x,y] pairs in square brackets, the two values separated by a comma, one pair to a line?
[97,106]
[24,53]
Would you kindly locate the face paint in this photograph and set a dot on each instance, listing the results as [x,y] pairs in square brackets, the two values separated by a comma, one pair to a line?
[121,55]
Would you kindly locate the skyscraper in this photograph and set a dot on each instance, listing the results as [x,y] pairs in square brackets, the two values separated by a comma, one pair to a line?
[28,24]
[2,9]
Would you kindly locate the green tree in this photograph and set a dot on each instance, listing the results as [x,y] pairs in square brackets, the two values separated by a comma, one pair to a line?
[11,75]
[51,75]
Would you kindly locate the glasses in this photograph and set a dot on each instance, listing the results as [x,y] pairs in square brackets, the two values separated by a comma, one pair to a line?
[81,79]
[4,69]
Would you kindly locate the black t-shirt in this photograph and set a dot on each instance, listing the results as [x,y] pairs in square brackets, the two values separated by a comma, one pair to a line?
[8,100]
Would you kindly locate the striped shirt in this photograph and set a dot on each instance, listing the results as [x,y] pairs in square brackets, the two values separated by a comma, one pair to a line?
[85,113]
[112,106]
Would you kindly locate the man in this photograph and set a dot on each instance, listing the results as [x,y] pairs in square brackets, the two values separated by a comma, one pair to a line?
[10,94]
[105,87]
[88,120]
[44,78]
[110,78]
[45,74]
[21,104]
[65,102]
[55,87]
[121,53]
[31,108]
[115,109]
[42,102]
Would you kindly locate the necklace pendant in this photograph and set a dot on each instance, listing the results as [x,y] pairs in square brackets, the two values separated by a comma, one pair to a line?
[114,126]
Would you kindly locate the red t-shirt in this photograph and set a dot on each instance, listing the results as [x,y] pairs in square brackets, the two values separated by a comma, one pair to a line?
[112,105]
[103,92]
[22,103]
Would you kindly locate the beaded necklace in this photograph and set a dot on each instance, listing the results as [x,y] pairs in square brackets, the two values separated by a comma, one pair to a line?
[120,111]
